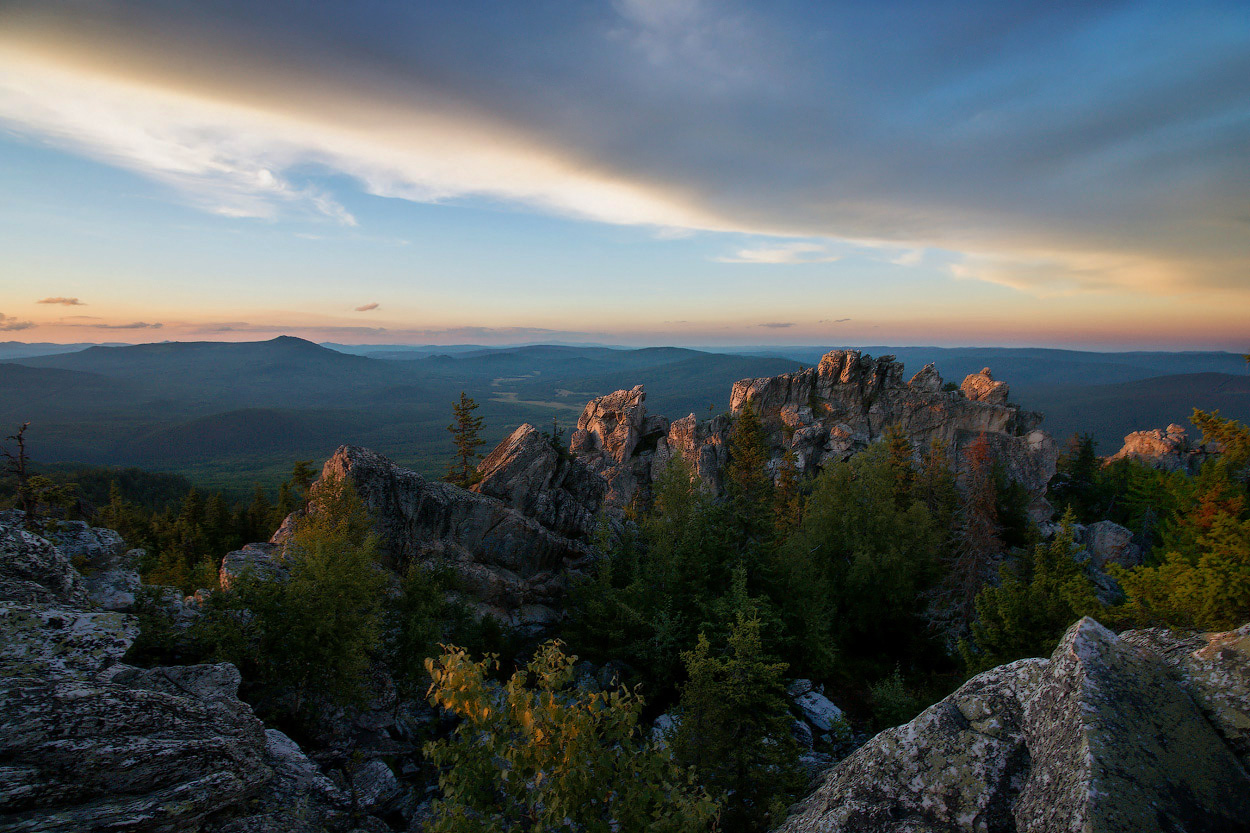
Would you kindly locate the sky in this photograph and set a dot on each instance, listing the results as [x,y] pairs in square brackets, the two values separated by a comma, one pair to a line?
[632,172]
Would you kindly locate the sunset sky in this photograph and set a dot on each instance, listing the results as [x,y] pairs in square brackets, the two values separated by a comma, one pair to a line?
[630,172]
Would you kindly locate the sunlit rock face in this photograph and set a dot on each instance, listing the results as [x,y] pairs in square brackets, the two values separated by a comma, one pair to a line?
[1169,449]
[529,474]
[1140,732]
[820,414]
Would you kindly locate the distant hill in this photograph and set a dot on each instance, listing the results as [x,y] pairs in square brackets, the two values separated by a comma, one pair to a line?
[23,349]
[227,413]
[1109,412]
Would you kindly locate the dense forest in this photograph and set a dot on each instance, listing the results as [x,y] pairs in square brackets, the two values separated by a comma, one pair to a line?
[881,578]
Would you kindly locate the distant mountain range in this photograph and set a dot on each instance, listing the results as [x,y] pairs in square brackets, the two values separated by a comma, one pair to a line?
[230,412]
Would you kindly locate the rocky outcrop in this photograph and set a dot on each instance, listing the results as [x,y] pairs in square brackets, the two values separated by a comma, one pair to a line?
[849,400]
[262,561]
[1169,449]
[821,414]
[88,743]
[514,567]
[617,440]
[536,479]
[1134,733]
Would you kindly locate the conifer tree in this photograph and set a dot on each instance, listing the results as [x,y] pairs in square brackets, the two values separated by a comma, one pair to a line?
[1034,603]
[735,728]
[788,499]
[466,437]
[978,545]
[747,479]
[900,454]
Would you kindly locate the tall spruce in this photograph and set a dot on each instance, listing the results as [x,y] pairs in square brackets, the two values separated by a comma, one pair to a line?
[466,438]
[978,546]
[748,482]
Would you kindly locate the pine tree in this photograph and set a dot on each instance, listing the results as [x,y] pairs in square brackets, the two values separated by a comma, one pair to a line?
[1034,603]
[978,545]
[466,437]
[900,457]
[747,480]
[735,728]
[788,498]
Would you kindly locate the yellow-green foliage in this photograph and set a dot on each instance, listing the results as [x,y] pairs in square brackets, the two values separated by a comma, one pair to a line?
[538,754]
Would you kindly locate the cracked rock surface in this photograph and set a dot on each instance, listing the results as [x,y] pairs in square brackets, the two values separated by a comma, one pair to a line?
[1124,734]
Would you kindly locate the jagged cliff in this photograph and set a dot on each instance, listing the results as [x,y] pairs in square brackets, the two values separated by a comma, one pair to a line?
[824,413]
[515,550]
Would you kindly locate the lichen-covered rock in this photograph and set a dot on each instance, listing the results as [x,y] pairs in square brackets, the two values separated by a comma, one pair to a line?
[819,710]
[375,786]
[89,744]
[58,640]
[1110,735]
[1214,668]
[262,561]
[955,767]
[1117,746]
[32,569]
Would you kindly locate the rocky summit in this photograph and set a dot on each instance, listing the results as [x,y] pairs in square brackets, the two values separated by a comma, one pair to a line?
[825,413]
[1142,732]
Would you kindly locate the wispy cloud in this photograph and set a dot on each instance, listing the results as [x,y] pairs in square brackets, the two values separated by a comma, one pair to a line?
[778,325]
[367,307]
[782,253]
[9,324]
[833,321]
[133,325]
[65,302]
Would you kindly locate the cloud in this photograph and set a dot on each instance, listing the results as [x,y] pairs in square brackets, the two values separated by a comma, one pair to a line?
[782,253]
[65,302]
[833,321]
[134,325]
[1034,138]
[778,325]
[367,307]
[10,324]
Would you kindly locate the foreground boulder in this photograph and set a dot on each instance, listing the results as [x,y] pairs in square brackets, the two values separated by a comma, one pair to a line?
[1127,734]
[88,743]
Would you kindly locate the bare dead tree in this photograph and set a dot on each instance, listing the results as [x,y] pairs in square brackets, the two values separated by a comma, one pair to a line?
[17,464]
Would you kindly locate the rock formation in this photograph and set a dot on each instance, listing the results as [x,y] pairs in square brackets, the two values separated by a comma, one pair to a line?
[1137,733]
[90,743]
[820,414]
[515,567]
[1169,449]
[539,481]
